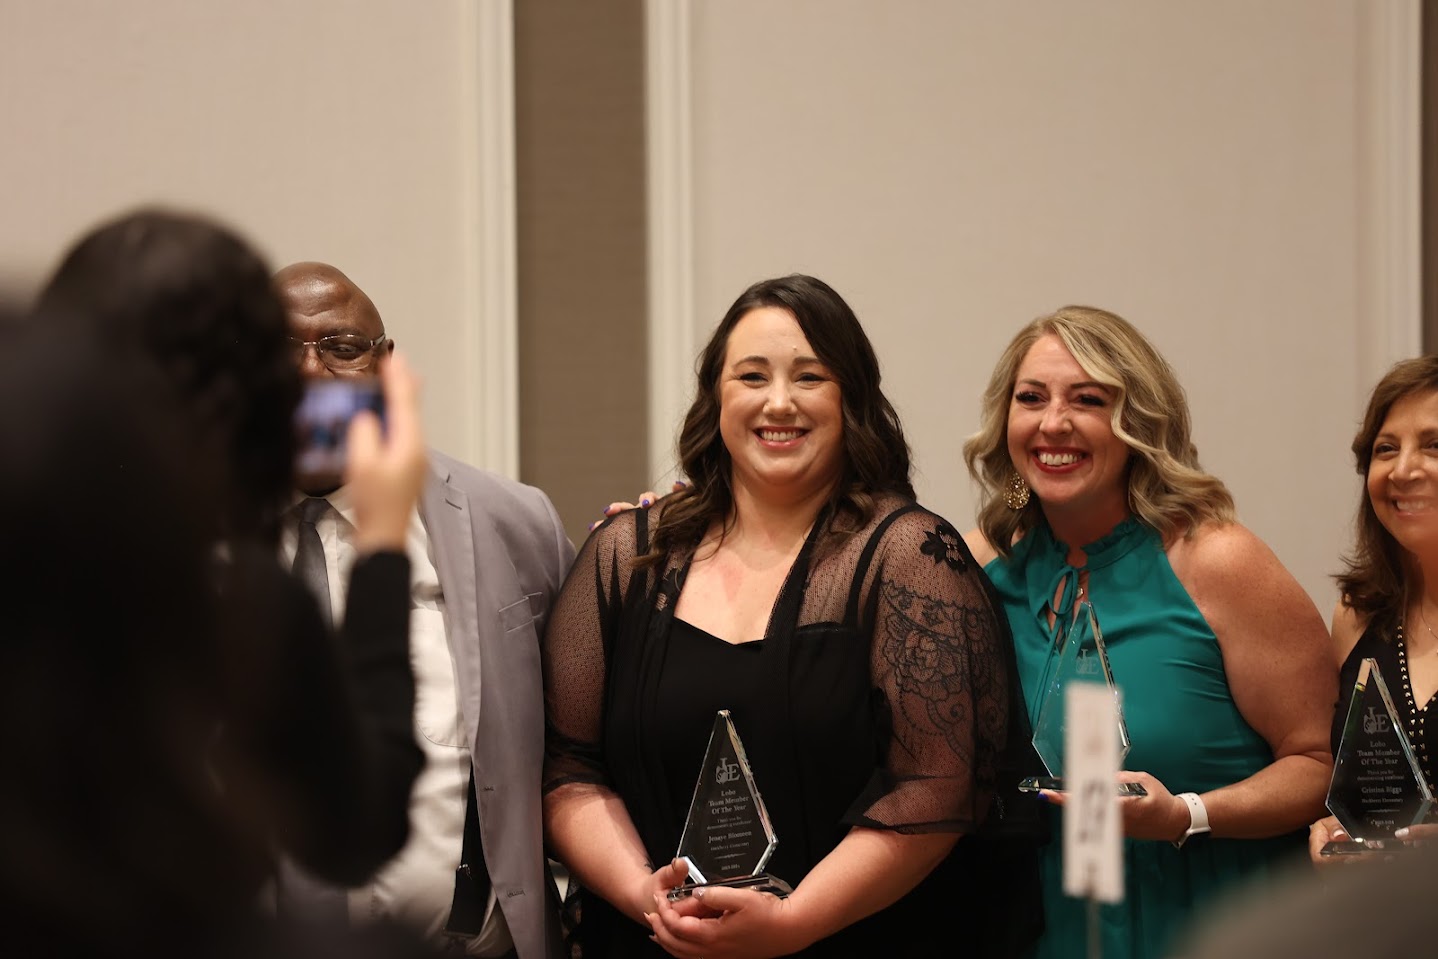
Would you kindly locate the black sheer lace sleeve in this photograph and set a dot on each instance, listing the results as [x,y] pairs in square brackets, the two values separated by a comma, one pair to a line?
[939,655]
[577,641]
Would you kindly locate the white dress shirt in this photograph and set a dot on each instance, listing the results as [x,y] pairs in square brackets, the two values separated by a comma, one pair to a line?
[416,887]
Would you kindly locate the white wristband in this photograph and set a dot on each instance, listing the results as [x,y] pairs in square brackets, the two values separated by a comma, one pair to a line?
[1197,818]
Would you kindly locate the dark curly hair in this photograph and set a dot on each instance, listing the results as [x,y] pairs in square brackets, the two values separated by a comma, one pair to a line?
[1374,581]
[876,455]
[194,298]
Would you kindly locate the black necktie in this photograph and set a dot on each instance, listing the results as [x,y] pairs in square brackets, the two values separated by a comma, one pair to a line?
[299,896]
[310,556]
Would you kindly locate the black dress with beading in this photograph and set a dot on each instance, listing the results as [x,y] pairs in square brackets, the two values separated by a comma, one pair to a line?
[883,694]
[1391,654]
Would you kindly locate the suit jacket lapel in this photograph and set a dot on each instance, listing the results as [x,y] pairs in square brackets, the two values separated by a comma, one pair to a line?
[466,541]
[449,522]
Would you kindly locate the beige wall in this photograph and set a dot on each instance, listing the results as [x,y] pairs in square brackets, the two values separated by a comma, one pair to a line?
[324,129]
[1225,174]
[955,169]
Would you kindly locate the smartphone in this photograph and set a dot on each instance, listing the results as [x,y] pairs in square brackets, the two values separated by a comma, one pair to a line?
[322,422]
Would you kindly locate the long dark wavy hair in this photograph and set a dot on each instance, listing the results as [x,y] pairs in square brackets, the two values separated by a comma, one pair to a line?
[876,455]
[195,299]
[1374,579]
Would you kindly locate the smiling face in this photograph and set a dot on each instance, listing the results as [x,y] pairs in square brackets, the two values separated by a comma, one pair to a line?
[1062,443]
[1403,473]
[779,412]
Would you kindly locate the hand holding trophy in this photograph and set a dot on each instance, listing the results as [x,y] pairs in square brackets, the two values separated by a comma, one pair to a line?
[727,837]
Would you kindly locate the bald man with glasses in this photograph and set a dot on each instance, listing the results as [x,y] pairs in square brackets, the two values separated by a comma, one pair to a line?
[489,556]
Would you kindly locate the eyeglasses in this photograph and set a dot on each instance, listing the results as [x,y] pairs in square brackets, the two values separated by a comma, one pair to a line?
[345,351]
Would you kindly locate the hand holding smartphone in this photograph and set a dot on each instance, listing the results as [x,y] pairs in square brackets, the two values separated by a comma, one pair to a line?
[381,460]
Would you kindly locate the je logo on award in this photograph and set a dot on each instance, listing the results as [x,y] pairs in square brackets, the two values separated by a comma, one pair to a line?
[1375,721]
[726,771]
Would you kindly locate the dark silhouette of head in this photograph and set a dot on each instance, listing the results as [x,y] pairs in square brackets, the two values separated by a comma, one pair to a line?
[197,300]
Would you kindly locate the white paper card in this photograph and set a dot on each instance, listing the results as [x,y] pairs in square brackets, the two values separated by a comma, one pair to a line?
[1093,828]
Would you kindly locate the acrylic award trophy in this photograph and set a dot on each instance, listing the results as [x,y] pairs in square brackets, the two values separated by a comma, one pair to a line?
[727,837]
[1378,786]
[1079,658]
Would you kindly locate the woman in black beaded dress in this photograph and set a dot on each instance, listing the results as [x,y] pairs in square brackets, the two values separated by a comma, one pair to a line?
[861,651]
[1388,610]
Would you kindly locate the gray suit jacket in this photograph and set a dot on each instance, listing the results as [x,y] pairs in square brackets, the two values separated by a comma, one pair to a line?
[501,555]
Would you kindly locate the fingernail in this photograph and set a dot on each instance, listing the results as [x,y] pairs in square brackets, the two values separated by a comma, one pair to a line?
[592,525]
[1401,834]
[681,484]
[1043,797]
[644,502]
[605,510]
[699,893]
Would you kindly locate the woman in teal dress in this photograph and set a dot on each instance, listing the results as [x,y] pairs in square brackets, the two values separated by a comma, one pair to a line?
[1091,489]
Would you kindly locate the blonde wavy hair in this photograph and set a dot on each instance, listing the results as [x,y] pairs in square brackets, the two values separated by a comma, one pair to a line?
[1167,489]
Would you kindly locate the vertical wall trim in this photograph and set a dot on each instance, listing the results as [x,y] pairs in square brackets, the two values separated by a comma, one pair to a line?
[492,288]
[672,340]
[1393,258]
[1429,148]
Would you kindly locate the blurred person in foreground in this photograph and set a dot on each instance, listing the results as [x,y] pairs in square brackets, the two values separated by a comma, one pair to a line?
[116,839]
[487,557]
[307,735]
[796,583]
[1389,590]
[1091,489]
[1380,909]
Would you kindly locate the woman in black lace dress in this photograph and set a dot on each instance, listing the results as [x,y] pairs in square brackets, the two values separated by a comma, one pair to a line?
[866,665]
[1389,591]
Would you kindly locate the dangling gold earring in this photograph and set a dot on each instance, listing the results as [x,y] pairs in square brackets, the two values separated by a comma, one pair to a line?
[1016,493]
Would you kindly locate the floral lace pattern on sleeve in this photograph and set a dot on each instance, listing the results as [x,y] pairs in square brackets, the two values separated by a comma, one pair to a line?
[937,657]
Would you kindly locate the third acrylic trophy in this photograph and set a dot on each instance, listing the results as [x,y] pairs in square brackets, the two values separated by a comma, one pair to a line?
[1080,658]
[1378,786]
[727,837]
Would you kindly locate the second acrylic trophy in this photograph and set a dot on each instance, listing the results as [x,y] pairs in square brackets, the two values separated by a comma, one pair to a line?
[1080,657]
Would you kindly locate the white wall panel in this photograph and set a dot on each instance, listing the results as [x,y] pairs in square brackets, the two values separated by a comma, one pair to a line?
[323,129]
[1229,176]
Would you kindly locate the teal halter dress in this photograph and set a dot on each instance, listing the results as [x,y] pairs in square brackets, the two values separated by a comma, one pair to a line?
[1186,731]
